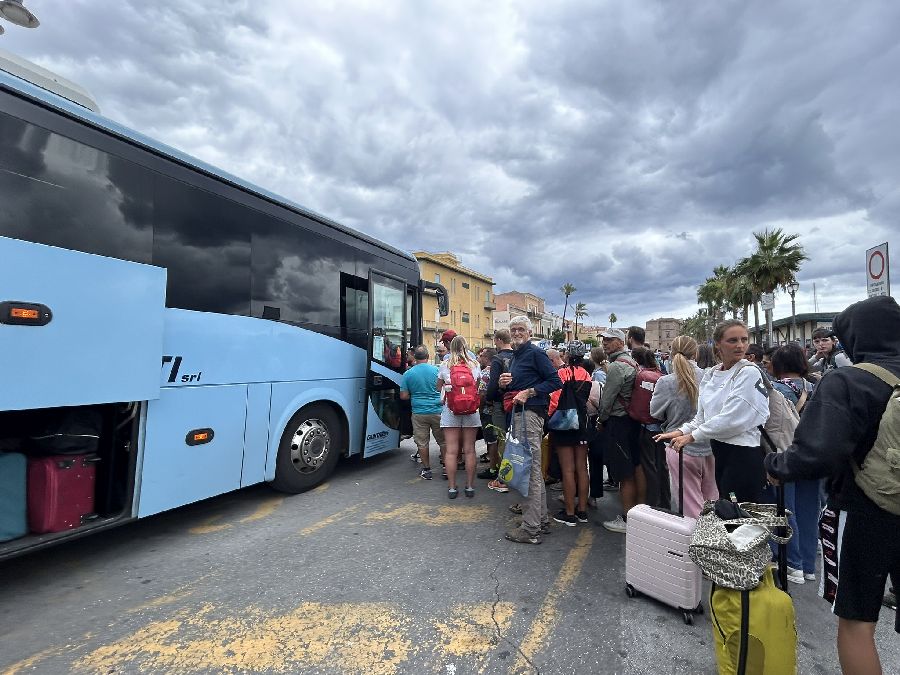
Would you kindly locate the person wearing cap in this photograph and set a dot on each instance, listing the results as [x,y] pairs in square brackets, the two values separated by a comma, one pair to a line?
[620,433]
[447,338]
[828,354]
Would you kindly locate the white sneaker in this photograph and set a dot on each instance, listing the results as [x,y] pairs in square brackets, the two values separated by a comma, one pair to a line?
[809,577]
[795,576]
[617,525]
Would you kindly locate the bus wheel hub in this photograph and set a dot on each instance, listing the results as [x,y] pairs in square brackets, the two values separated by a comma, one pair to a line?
[310,445]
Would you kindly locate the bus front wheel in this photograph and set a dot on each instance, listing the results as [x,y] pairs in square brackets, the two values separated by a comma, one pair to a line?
[309,449]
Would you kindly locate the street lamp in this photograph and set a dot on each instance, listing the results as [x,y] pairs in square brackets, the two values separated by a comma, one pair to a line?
[14,12]
[792,289]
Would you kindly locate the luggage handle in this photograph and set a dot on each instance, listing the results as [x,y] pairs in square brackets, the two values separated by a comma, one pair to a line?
[663,509]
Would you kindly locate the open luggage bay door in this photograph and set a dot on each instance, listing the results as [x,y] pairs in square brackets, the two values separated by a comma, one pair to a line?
[76,328]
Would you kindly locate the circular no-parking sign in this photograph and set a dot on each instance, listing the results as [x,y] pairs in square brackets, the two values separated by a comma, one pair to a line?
[876,262]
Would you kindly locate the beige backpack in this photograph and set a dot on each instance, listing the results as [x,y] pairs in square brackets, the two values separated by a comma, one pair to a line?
[879,475]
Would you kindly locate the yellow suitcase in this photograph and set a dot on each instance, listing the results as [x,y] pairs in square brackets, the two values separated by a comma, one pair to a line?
[754,631]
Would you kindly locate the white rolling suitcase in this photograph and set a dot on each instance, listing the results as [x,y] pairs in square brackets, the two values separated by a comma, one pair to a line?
[656,556]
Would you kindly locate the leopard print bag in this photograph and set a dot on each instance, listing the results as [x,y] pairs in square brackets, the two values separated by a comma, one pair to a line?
[736,565]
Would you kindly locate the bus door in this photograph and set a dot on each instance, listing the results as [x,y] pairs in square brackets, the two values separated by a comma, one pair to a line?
[386,355]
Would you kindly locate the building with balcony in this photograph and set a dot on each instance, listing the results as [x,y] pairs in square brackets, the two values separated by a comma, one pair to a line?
[661,332]
[517,303]
[470,296]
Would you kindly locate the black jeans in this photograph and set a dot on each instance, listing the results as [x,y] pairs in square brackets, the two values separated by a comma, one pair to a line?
[739,469]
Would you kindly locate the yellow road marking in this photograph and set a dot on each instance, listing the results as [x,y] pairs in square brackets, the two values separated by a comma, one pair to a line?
[325,522]
[210,525]
[470,629]
[425,514]
[548,614]
[354,637]
[267,508]
[321,488]
[33,660]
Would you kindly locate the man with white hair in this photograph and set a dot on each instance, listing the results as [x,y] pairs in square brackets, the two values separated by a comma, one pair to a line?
[532,378]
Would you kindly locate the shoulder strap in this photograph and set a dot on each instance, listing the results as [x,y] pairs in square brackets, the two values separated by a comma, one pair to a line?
[882,374]
[802,400]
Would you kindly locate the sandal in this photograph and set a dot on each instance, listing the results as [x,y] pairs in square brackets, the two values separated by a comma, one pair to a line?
[470,492]
[452,493]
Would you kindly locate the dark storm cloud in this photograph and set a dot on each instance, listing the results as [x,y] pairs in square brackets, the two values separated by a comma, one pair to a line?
[627,148]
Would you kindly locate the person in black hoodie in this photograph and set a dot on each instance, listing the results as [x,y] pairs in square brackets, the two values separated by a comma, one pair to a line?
[839,426]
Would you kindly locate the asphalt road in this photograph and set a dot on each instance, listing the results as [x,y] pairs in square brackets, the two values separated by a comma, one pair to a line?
[374,572]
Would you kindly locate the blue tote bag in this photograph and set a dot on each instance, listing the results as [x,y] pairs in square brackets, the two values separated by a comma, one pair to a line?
[515,469]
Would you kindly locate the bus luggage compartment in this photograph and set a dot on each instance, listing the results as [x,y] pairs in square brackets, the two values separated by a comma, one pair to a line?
[77,328]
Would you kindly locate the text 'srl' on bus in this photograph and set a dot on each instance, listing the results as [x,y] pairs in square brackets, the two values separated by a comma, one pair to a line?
[169,332]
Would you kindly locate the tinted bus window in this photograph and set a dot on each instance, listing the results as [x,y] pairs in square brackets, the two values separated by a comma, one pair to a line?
[57,191]
[298,271]
[204,242]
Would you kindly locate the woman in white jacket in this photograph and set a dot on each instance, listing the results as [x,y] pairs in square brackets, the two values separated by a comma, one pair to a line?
[733,403]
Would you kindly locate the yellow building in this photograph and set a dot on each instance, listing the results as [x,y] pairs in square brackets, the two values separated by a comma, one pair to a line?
[470,296]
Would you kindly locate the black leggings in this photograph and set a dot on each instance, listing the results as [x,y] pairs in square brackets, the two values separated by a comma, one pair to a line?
[739,469]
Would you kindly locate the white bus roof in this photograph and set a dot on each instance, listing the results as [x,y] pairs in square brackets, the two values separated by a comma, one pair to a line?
[45,79]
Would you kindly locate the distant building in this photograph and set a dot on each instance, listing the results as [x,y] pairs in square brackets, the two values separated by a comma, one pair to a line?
[517,303]
[661,332]
[781,328]
[470,295]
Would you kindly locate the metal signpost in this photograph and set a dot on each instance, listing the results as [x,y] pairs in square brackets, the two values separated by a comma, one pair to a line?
[767,302]
[878,271]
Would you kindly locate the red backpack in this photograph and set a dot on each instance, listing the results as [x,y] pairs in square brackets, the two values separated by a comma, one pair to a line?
[463,398]
[645,380]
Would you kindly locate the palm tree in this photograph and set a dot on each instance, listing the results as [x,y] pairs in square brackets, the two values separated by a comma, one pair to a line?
[612,320]
[697,326]
[580,313]
[739,291]
[567,290]
[774,264]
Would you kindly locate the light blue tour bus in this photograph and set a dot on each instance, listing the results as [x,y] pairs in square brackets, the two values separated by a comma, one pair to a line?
[227,335]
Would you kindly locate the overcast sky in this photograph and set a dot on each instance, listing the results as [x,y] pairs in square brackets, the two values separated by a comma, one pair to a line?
[625,147]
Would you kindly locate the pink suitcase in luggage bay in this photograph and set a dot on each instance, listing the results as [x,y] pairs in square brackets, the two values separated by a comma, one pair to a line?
[656,558]
[61,492]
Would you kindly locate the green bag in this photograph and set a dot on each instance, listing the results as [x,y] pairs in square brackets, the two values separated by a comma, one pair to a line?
[754,631]
[879,475]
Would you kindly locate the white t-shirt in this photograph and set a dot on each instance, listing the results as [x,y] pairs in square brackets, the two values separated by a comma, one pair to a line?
[733,403]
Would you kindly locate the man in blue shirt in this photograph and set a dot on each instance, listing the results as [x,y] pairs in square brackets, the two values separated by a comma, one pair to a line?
[533,378]
[418,386]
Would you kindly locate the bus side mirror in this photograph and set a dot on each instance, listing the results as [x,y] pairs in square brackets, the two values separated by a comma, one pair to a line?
[441,294]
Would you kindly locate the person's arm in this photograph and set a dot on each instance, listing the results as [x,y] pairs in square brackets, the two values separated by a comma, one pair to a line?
[593,402]
[828,433]
[745,408]
[443,377]
[841,360]
[493,386]
[550,381]
[662,395]
[615,379]
[404,388]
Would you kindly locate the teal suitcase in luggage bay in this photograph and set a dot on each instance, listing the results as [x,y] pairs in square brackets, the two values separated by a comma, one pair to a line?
[13,521]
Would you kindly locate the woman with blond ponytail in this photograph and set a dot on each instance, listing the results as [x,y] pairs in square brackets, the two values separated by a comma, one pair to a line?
[675,403]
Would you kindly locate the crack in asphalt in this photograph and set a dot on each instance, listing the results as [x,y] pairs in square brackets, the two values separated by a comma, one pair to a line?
[499,632]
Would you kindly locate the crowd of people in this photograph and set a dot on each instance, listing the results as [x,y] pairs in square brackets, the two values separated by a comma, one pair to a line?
[638,412]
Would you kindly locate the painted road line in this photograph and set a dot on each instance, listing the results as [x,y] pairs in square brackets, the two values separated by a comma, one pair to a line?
[548,614]
[434,516]
[29,663]
[364,637]
[325,522]
[209,526]
[267,508]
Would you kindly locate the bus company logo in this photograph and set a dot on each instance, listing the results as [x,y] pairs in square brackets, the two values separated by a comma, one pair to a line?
[380,434]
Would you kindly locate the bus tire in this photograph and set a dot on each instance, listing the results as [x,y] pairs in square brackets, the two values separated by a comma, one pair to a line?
[309,449]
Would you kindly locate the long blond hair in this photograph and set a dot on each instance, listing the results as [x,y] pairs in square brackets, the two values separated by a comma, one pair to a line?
[459,352]
[684,350]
